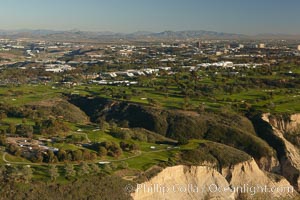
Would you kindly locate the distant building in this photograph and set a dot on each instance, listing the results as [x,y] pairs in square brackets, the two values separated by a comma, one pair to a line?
[299,47]
[261,46]
[218,53]
[198,44]
[226,51]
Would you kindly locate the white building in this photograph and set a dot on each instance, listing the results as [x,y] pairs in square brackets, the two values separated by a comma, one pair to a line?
[262,46]
[57,68]
[299,47]
[218,53]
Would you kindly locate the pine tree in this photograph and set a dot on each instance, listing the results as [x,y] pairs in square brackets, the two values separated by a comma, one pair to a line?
[53,171]
[84,169]
[27,173]
[69,170]
[95,168]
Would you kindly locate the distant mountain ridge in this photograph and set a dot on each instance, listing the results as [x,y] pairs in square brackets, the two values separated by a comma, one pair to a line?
[189,34]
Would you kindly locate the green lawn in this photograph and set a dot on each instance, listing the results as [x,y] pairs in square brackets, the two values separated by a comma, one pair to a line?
[283,100]
[1,160]
[25,94]
[20,95]
[65,146]
[12,158]
[147,160]
[17,121]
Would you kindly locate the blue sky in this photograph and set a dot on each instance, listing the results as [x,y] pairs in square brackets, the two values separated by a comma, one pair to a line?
[235,16]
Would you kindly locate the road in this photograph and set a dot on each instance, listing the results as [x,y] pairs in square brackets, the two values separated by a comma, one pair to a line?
[18,163]
[86,136]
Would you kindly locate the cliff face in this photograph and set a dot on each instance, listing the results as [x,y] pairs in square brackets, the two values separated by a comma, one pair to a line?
[284,123]
[290,161]
[202,182]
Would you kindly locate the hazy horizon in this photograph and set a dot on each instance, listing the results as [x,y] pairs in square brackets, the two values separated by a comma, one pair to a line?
[232,16]
[137,31]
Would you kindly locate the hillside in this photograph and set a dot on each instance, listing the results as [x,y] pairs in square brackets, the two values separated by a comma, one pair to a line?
[227,128]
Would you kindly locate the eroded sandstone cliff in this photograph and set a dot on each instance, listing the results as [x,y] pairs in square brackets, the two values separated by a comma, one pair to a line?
[202,182]
[290,160]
